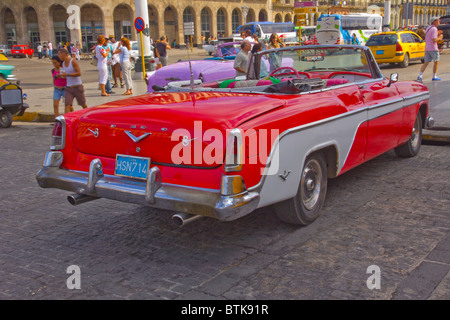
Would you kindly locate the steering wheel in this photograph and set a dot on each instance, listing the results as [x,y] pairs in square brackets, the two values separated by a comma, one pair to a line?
[282,74]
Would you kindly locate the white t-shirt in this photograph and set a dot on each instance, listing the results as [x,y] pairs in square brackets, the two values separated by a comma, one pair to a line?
[101,60]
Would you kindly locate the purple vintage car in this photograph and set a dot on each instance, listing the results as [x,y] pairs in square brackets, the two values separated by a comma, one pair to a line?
[209,69]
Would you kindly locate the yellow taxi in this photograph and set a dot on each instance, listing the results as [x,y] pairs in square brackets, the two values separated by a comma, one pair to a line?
[397,47]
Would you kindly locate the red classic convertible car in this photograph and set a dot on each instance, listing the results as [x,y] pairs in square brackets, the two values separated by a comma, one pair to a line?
[225,148]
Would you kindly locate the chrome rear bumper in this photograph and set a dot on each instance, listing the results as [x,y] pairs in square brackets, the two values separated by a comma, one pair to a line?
[217,204]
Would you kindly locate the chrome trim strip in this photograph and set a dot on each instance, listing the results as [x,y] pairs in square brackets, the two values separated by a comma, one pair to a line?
[62,145]
[153,192]
[411,100]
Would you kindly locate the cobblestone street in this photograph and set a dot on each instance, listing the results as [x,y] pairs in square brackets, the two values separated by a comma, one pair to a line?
[390,212]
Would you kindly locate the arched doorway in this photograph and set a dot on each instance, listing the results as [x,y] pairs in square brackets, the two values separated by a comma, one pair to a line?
[9,26]
[288,18]
[58,15]
[170,24]
[250,16]
[91,24]
[153,21]
[32,23]
[278,18]
[262,16]
[122,22]
[235,20]
[221,21]
[205,21]
[188,16]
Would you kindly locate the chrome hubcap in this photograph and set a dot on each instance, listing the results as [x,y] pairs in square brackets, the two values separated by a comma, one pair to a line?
[415,135]
[311,183]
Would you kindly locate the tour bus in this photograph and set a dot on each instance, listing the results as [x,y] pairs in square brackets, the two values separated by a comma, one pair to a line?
[286,30]
[340,29]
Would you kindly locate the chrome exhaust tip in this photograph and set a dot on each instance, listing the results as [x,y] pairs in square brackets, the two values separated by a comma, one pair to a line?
[76,199]
[182,219]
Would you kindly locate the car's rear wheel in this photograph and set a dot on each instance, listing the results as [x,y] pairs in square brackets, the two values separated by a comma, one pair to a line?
[412,146]
[305,207]
[405,61]
[5,119]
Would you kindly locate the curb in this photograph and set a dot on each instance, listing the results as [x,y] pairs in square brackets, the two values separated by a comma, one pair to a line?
[35,117]
[437,134]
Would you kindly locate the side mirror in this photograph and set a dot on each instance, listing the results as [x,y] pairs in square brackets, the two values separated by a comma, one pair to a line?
[393,78]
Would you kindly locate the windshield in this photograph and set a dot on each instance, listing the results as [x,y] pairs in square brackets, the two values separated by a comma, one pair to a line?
[277,27]
[331,59]
[230,50]
[382,40]
[134,46]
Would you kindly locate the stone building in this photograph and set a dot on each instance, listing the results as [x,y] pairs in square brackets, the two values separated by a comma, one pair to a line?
[33,21]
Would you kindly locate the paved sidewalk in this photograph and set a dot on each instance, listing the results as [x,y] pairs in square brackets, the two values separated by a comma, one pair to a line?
[41,100]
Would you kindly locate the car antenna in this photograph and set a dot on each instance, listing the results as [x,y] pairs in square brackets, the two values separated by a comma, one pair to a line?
[191,80]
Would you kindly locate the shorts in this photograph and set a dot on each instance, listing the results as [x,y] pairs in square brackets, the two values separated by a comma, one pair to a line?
[431,56]
[75,92]
[58,93]
[163,60]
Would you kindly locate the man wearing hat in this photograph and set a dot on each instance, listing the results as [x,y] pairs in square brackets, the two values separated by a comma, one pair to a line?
[432,37]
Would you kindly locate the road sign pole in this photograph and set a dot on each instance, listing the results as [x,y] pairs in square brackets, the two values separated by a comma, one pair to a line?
[142,54]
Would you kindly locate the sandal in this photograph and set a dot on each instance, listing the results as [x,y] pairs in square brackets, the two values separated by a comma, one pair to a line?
[127,93]
[105,95]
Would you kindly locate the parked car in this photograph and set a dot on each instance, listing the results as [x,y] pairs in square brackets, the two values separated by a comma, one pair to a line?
[22,51]
[11,103]
[5,49]
[209,69]
[211,47]
[135,54]
[400,47]
[6,72]
[223,152]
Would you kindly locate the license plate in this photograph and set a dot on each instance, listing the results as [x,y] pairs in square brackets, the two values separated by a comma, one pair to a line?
[380,51]
[133,167]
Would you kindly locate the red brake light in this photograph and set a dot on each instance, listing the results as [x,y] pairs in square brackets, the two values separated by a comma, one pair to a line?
[398,47]
[57,129]
[58,134]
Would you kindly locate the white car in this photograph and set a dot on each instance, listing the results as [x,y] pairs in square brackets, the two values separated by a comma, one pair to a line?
[135,53]
[4,49]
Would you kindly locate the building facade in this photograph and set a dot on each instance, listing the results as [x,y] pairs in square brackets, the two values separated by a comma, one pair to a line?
[34,21]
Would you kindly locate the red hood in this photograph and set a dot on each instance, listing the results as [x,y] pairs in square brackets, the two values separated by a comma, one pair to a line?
[161,114]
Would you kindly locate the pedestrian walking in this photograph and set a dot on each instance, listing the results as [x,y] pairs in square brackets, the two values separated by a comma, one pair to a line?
[162,46]
[39,50]
[70,70]
[101,53]
[50,50]
[125,64]
[432,37]
[59,84]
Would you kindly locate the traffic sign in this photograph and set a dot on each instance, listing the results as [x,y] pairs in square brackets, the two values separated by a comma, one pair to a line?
[305,4]
[188,28]
[139,24]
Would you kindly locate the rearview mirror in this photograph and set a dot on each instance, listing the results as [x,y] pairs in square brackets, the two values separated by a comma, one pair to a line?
[393,78]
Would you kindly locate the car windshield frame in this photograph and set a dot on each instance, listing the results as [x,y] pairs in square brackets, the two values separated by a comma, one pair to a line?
[317,57]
